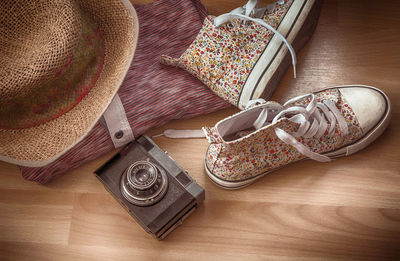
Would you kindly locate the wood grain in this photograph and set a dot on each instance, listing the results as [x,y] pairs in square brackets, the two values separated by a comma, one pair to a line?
[345,210]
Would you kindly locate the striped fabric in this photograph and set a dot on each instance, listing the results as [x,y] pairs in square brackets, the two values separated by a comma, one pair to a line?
[151,93]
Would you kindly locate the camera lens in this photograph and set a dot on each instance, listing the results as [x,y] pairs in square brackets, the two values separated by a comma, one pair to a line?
[143,183]
[142,176]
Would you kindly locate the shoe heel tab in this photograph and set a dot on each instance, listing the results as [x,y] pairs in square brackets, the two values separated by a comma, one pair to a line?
[212,135]
[170,61]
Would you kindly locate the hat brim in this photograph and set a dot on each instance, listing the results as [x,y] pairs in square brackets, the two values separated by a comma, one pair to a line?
[38,146]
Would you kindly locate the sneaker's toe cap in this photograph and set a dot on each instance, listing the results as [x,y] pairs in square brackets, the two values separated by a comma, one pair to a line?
[369,105]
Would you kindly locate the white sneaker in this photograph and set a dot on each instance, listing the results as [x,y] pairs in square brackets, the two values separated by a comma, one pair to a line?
[333,122]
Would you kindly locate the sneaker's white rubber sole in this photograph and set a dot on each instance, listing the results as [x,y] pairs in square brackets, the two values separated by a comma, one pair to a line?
[363,142]
[297,26]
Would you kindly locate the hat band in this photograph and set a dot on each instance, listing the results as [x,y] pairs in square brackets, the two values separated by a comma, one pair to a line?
[69,85]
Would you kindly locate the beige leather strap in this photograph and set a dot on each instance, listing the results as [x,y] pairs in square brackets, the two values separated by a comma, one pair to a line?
[117,123]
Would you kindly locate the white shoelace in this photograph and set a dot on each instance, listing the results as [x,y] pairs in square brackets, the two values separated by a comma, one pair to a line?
[313,123]
[250,12]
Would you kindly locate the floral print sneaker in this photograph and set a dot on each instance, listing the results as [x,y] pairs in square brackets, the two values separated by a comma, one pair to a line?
[334,122]
[242,55]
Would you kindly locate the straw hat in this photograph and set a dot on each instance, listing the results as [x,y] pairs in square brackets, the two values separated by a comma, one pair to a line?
[61,63]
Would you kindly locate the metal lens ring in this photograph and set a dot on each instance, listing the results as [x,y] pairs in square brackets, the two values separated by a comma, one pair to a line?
[141,176]
[143,183]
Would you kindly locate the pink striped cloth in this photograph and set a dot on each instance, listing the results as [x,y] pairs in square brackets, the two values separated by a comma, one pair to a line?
[151,93]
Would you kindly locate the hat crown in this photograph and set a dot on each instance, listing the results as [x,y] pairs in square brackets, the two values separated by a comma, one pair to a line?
[41,120]
[51,55]
[37,39]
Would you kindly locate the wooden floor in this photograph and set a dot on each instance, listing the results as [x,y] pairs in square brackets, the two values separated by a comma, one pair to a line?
[345,210]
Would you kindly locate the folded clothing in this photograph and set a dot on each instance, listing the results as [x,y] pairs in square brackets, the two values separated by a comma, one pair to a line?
[152,94]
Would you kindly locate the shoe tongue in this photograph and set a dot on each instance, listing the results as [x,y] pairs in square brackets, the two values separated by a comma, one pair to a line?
[270,110]
[286,125]
[329,94]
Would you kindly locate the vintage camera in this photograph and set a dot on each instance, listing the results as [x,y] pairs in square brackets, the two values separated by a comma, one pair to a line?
[151,186]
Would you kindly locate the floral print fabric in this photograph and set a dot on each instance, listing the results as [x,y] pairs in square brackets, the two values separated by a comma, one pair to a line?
[223,57]
[262,151]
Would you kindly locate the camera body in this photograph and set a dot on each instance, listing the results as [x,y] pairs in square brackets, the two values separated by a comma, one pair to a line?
[151,186]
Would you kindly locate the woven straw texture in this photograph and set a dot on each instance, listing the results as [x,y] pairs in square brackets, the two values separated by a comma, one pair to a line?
[152,93]
[118,26]
[38,50]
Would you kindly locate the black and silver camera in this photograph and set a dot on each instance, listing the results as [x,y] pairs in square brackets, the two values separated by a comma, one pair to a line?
[151,186]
